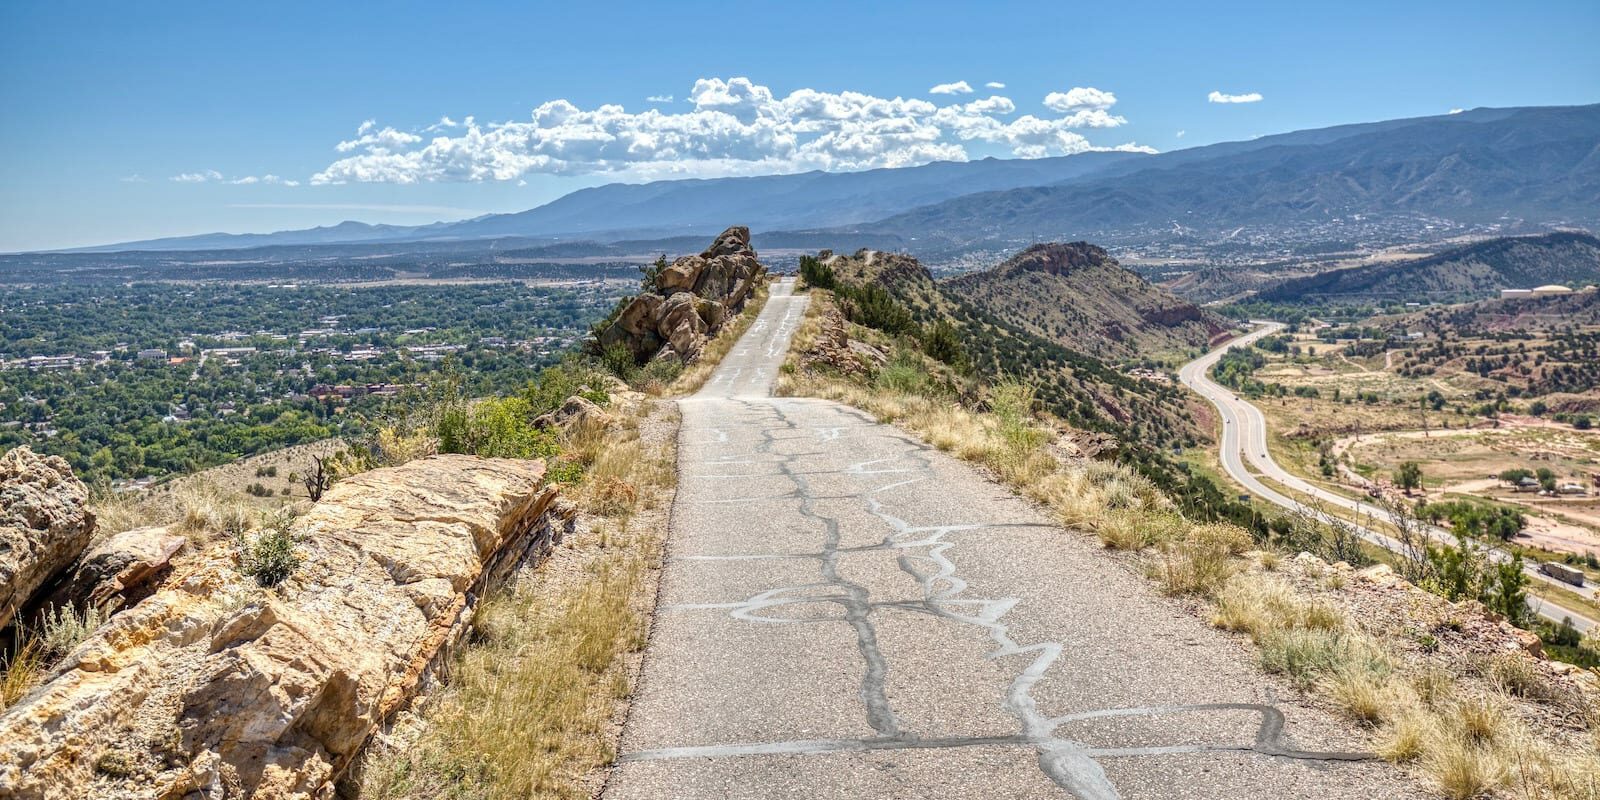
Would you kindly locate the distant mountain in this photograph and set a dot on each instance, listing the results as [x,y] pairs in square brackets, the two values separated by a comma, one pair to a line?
[1485,165]
[1474,272]
[697,208]
[1516,167]
[1079,297]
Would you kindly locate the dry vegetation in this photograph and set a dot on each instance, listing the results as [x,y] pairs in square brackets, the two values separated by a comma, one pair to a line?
[529,709]
[1472,724]
[532,708]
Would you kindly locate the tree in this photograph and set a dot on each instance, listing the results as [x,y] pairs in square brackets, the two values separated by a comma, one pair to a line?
[317,480]
[650,276]
[817,274]
[1515,475]
[1409,476]
[1538,408]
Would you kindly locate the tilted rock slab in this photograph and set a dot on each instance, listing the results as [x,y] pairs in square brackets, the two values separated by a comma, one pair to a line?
[44,525]
[213,687]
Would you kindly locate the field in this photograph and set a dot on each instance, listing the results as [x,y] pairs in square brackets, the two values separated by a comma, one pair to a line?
[1350,412]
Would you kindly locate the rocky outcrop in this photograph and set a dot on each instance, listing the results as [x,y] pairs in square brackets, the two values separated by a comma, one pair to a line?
[44,525]
[694,296]
[120,571]
[215,687]
[576,411]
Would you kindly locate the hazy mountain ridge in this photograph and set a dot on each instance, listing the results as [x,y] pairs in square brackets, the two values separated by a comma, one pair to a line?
[1480,166]
[1472,272]
[695,207]
[1510,166]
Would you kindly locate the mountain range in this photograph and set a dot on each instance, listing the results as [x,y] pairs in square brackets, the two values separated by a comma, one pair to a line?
[1473,272]
[1510,167]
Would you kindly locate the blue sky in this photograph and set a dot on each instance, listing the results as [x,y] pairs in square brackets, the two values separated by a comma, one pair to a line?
[105,104]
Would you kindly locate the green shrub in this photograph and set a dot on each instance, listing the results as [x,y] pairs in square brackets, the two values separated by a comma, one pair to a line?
[269,556]
[661,371]
[904,374]
[563,471]
[63,628]
[494,428]
[816,274]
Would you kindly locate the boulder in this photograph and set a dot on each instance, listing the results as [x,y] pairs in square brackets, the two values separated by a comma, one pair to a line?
[733,241]
[574,412]
[677,309]
[640,315]
[681,276]
[44,524]
[121,570]
[216,687]
[710,286]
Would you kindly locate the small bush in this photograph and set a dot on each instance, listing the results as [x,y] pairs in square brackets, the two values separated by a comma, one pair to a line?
[495,428]
[1190,567]
[563,470]
[657,375]
[269,556]
[64,628]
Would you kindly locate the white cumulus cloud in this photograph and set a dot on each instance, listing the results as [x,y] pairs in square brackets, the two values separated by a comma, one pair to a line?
[204,176]
[1457,110]
[1179,134]
[1080,98]
[994,85]
[1219,97]
[659,98]
[959,87]
[724,127]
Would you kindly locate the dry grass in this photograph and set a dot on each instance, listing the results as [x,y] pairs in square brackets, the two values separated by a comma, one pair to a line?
[528,705]
[527,709]
[22,670]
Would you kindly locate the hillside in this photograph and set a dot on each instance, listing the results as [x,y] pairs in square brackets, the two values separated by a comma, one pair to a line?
[1484,165]
[1079,297]
[1473,272]
[1074,382]
[1529,314]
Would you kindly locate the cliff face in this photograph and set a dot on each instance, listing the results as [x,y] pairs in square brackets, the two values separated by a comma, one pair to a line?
[693,297]
[43,524]
[215,685]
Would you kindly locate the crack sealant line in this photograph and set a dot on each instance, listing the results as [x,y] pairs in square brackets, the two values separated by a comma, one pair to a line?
[880,715]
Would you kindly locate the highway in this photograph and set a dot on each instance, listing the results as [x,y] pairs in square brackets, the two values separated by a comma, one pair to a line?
[1244,442]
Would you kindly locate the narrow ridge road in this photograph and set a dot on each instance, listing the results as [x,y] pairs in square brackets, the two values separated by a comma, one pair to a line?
[846,612]
[1244,440]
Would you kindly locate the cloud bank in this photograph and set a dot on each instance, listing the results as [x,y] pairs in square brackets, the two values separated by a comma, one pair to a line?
[1219,97]
[729,127]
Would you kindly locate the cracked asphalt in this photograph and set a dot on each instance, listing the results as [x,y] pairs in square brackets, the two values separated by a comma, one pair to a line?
[846,612]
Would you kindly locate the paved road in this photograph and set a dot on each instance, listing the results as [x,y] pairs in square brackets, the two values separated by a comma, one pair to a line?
[1244,440]
[847,613]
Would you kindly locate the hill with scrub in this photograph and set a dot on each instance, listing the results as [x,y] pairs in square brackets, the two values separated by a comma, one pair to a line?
[1474,272]
[1078,296]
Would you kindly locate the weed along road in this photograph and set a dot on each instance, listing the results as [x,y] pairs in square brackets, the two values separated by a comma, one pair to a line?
[1244,441]
[846,612]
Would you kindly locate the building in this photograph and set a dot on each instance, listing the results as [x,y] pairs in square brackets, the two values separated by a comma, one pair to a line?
[1551,289]
[152,354]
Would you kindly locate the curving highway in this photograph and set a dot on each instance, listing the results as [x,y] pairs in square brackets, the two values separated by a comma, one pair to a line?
[1244,441]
